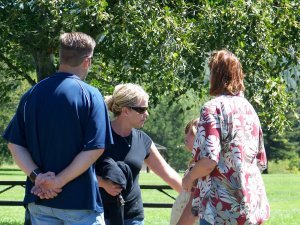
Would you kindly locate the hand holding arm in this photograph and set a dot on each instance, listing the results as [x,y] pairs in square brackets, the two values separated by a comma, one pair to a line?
[202,168]
[24,160]
[40,188]
[78,166]
[47,185]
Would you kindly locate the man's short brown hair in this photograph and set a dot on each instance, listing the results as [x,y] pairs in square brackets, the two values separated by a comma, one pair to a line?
[226,74]
[74,47]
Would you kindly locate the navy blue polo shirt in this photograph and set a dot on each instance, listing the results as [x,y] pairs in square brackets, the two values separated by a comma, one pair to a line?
[57,119]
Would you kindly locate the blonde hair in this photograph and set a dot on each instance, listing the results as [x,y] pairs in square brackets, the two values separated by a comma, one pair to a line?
[74,47]
[125,95]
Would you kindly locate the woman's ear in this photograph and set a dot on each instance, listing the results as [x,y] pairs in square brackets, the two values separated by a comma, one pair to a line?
[125,111]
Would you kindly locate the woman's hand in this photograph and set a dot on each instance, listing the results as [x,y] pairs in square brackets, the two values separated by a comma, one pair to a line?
[110,187]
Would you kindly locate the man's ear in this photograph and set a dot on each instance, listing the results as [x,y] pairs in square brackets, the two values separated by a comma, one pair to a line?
[86,63]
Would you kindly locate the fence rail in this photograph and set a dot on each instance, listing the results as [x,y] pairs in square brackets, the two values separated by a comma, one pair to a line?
[160,188]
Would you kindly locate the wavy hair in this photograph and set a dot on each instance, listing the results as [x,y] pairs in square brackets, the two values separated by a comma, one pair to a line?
[226,74]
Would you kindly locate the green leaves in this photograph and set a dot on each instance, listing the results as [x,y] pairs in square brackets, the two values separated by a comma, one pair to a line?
[163,45]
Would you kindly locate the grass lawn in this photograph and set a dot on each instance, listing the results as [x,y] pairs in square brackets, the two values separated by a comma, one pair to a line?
[282,189]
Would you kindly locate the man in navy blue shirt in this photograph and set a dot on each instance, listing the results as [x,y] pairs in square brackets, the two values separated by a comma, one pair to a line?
[60,129]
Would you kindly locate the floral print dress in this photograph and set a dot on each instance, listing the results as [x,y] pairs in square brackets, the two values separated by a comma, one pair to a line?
[229,133]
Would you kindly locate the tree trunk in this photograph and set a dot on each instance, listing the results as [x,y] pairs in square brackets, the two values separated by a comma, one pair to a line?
[44,62]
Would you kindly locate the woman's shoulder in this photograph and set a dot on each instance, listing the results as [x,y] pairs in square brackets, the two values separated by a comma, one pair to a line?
[140,133]
[221,102]
[211,106]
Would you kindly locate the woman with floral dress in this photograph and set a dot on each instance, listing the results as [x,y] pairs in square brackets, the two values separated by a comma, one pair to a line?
[228,151]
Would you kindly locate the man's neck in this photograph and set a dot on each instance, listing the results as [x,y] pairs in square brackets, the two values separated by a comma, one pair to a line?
[72,70]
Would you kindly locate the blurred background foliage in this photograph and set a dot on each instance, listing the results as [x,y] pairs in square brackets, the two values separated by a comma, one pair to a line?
[164,46]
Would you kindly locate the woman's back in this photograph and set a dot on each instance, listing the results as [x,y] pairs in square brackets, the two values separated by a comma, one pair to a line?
[239,154]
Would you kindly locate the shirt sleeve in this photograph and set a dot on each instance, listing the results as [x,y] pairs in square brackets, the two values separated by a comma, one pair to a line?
[207,142]
[147,143]
[15,131]
[98,131]
[261,155]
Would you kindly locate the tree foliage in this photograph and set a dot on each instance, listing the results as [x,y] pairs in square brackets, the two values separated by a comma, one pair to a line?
[162,45]
[166,126]
[7,111]
[286,145]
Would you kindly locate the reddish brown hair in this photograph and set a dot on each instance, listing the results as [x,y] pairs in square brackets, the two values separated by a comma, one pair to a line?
[226,74]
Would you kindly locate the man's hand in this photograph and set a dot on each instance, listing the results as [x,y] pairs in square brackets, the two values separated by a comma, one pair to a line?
[45,193]
[46,186]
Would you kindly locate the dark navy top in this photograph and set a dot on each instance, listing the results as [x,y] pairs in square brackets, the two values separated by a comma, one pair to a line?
[55,120]
[134,157]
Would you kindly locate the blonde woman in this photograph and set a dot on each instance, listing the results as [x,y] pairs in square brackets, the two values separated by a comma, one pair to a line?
[129,105]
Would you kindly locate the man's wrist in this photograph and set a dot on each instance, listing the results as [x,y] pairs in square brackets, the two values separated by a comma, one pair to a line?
[60,181]
[34,174]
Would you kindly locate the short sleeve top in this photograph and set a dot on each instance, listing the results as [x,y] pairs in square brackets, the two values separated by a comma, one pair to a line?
[57,119]
[229,133]
[134,157]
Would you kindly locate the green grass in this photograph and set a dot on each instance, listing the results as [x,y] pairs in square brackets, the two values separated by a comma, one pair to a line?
[156,216]
[12,215]
[282,189]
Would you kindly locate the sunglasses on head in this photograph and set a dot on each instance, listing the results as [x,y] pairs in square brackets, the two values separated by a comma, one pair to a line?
[140,110]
